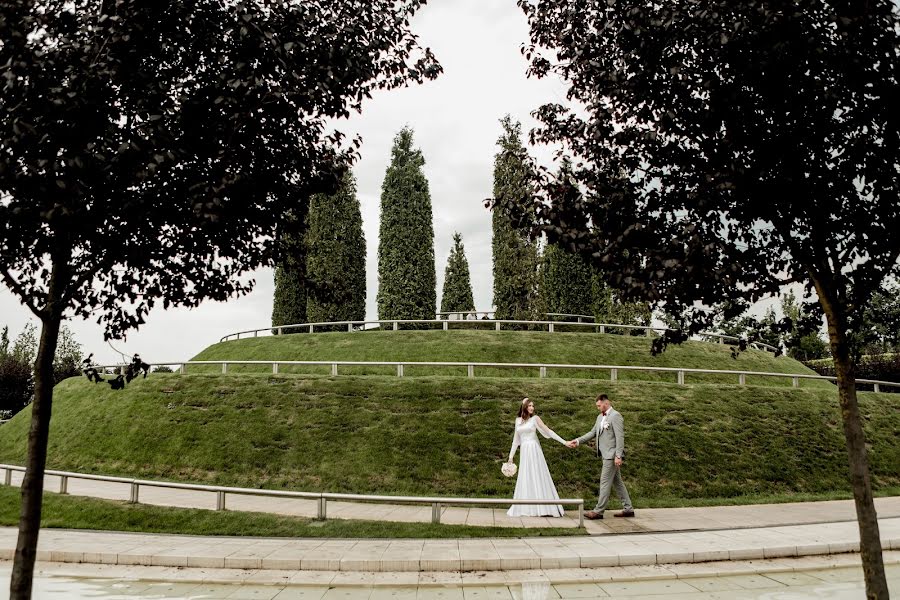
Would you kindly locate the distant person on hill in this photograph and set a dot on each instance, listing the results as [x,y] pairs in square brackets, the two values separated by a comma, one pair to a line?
[608,434]
[534,481]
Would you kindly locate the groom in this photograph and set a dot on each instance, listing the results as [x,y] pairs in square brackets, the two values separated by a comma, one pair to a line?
[609,435]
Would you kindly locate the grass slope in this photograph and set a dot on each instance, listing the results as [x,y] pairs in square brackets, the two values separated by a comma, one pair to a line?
[503,346]
[72,512]
[436,435]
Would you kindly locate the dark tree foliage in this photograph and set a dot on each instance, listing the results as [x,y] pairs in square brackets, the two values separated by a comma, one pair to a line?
[407,282]
[457,292]
[149,149]
[724,149]
[516,261]
[336,256]
[290,297]
[879,331]
[16,377]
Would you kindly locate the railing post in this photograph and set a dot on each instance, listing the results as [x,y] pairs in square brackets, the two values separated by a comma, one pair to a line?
[877,388]
[680,377]
[613,374]
[399,370]
[471,370]
[238,337]
[134,493]
[274,368]
[648,332]
[497,326]
[579,319]
[333,369]
[396,326]
[349,327]
[255,334]
[311,328]
[602,329]
[581,514]
[279,331]
[7,477]
[543,372]
[224,368]
[446,325]
[550,326]
[322,513]
[795,381]
[742,379]
[63,484]
[220,500]
[181,369]
[435,512]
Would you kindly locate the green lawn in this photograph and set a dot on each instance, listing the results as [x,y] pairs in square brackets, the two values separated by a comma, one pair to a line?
[504,346]
[71,512]
[700,444]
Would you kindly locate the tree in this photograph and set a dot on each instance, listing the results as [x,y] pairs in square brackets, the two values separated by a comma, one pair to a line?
[67,361]
[148,152]
[607,306]
[802,341]
[16,364]
[290,297]
[723,150]
[516,259]
[567,282]
[407,285]
[336,256]
[457,293]
[879,330]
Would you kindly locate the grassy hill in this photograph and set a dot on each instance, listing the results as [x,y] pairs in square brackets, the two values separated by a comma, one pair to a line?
[448,436]
[503,346]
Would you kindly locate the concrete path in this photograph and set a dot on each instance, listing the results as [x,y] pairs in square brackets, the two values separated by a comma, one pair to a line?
[648,520]
[388,555]
[835,577]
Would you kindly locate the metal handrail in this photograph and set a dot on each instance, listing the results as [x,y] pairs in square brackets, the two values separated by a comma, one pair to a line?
[681,372]
[436,501]
[444,324]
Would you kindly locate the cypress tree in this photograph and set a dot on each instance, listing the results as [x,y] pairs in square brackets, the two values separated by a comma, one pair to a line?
[336,256]
[289,304]
[457,293]
[567,283]
[406,275]
[515,257]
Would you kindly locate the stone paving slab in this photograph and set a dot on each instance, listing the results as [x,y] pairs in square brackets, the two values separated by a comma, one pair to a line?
[704,576]
[515,554]
[649,519]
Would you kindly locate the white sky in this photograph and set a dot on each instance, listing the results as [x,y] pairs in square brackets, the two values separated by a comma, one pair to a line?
[456,124]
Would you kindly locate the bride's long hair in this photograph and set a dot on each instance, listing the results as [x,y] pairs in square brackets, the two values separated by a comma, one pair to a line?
[523,410]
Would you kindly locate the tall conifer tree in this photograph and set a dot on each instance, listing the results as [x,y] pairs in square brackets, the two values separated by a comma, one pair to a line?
[515,257]
[289,303]
[457,293]
[406,272]
[567,285]
[336,256]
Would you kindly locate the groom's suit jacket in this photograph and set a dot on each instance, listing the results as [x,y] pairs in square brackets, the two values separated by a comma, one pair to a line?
[610,441]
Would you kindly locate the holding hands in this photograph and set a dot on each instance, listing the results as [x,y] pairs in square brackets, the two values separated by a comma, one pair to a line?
[572,443]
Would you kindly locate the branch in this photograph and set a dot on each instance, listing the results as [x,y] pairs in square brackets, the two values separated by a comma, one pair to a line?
[17,289]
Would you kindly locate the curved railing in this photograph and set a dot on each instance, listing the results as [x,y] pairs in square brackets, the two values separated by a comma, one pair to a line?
[445,324]
[541,368]
[436,502]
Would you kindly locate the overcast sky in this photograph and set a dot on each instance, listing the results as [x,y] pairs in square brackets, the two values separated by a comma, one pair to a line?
[456,124]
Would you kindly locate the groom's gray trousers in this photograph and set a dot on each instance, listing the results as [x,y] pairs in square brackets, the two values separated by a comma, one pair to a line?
[610,477]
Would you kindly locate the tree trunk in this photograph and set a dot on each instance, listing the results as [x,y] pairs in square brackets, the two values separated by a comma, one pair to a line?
[36,460]
[870,539]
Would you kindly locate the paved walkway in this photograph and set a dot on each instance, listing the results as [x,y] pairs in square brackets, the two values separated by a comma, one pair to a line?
[648,520]
[389,555]
[835,577]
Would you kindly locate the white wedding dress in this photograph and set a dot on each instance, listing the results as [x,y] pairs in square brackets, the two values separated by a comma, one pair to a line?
[534,481]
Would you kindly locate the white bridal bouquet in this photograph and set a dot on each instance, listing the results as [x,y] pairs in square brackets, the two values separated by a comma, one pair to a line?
[509,469]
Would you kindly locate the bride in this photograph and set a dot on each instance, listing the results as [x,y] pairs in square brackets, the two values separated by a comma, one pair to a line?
[534,481]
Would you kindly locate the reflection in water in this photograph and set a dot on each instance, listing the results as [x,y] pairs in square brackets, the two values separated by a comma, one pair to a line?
[535,590]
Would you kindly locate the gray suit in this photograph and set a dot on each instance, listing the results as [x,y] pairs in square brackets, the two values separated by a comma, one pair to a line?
[610,445]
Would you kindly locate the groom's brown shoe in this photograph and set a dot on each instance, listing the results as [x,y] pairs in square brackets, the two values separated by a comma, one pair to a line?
[624,513]
[593,515]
